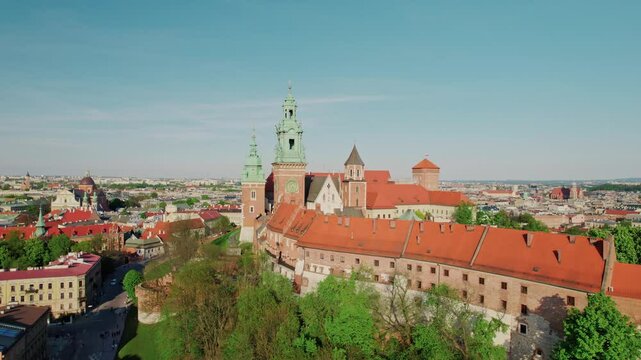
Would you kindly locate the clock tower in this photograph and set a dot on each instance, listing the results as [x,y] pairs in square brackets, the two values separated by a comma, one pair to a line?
[289,164]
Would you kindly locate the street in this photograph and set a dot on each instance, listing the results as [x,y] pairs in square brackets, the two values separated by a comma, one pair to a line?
[96,334]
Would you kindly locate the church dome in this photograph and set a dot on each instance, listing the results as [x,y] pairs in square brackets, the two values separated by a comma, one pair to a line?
[87,180]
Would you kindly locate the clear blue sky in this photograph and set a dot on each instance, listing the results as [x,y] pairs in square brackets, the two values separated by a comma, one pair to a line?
[489,89]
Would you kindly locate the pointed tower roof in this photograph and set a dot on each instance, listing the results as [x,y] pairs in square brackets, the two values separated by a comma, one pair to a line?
[253,170]
[425,164]
[40,225]
[354,158]
[289,133]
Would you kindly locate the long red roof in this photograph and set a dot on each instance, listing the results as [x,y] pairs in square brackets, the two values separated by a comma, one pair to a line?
[73,267]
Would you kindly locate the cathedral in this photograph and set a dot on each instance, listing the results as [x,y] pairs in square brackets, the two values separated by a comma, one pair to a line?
[355,192]
[85,195]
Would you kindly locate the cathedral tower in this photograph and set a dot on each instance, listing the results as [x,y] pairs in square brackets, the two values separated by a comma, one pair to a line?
[354,185]
[253,192]
[289,164]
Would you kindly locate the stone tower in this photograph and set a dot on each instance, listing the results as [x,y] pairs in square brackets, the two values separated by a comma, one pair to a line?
[253,192]
[426,174]
[289,165]
[354,187]
[26,184]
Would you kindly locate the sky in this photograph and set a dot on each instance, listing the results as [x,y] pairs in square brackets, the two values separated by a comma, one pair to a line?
[488,89]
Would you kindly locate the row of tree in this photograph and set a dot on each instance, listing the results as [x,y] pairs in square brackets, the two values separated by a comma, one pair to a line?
[465,214]
[21,254]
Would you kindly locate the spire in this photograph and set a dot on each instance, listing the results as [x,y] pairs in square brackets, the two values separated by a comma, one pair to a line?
[94,200]
[40,225]
[85,199]
[354,158]
[289,133]
[253,170]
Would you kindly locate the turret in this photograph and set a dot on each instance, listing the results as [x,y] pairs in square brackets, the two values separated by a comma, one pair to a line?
[426,174]
[354,187]
[253,191]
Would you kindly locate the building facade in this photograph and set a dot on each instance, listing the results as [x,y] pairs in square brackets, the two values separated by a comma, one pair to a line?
[67,286]
[23,332]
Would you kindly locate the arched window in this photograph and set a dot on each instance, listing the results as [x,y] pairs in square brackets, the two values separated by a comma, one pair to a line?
[351,172]
[358,173]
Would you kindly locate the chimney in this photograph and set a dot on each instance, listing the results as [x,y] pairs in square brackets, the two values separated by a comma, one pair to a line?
[318,207]
[418,239]
[557,253]
[340,220]
[607,246]
[326,219]
[373,226]
[529,237]
[451,227]
[421,226]
[392,224]
[572,239]
[347,222]
[442,226]
[351,236]
[469,227]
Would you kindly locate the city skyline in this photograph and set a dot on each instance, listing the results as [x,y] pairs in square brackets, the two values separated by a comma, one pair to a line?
[176,93]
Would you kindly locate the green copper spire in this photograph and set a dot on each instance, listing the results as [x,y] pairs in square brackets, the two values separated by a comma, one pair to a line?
[85,199]
[94,200]
[253,170]
[40,225]
[289,134]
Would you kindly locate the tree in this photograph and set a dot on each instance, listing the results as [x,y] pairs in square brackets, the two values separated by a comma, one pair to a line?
[5,257]
[130,281]
[97,243]
[84,246]
[36,252]
[116,204]
[464,214]
[59,245]
[600,331]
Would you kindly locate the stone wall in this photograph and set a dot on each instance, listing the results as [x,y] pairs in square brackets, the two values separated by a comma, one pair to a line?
[151,296]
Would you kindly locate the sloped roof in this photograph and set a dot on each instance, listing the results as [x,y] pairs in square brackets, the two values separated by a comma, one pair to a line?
[316,185]
[425,164]
[354,158]
[390,195]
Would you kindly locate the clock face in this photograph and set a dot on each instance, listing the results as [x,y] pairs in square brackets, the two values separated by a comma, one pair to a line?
[291,186]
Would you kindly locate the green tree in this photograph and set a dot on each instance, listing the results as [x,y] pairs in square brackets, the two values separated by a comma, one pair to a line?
[59,245]
[130,281]
[97,243]
[5,257]
[116,203]
[84,246]
[600,331]
[36,252]
[464,214]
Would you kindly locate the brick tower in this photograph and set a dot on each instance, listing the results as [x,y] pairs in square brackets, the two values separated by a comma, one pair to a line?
[253,192]
[354,185]
[289,165]
[426,174]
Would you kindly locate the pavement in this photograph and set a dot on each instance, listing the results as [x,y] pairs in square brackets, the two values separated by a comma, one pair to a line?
[96,334]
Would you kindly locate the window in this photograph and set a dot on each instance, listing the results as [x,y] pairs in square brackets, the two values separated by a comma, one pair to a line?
[62,295]
[419,285]
[419,268]
[358,173]
[481,281]
[21,298]
[464,277]
[49,286]
[13,299]
[322,256]
[376,278]
[49,297]
[251,209]
[342,259]
[62,285]
[409,267]
[253,195]
[523,309]
[21,287]
[504,304]
[70,305]
[40,297]
[409,284]
[291,144]
[570,300]
[331,258]
[446,272]
[432,285]
[375,262]
[504,285]
[31,298]
[433,270]
[481,299]
[391,264]
[40,286]
[351,173]
[70,285]
[80,283]
[464,294]
[357,261]
[70,295]
[13,288]
[523,328]
[523,289]
[62,307]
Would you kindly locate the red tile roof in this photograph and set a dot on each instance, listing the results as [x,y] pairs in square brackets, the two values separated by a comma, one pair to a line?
[73,266]
[361,235]
[444,243]
[86,230]
[390,195]
[620,212]
[625,280]
[425,164]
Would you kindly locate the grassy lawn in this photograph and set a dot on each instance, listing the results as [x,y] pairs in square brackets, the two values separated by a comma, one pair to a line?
[222,241]
[138,340]
[157,269]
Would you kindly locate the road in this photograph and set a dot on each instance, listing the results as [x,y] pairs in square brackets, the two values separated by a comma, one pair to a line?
[97,334]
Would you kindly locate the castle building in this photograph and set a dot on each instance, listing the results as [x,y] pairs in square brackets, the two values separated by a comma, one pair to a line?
[565,193]
[355,192]
[321,224]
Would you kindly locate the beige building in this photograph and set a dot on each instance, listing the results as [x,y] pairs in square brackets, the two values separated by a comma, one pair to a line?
[67,286]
